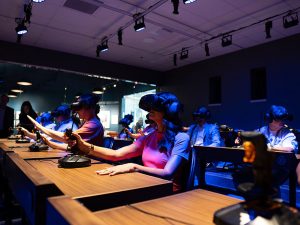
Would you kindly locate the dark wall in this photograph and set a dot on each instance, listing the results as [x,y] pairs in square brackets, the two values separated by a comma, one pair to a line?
[43,57]
[282,62]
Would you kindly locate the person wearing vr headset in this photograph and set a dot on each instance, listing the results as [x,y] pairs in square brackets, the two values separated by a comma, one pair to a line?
[148,129]
[125,122]
[277,133]
[91,131]
[202,133]
[279,137]
[62,116]
[63,119]
[164,151]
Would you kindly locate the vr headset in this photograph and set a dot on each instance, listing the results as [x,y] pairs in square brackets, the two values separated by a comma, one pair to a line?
[62,110]
[201,113]
[152,102]
[85,101]
[126,120]
[278,113]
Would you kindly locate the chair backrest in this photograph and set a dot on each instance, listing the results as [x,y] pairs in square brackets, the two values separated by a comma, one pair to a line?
[108,142]
[188,171]
[119,143]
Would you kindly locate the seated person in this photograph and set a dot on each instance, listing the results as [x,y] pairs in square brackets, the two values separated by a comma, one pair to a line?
[202,133]
[46,119]
[63,119]
[151,127]
[125,122]
[279,137]
[91,131]
[163,151]
[298,172]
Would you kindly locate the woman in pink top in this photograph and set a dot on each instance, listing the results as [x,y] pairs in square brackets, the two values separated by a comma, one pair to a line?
[163,151]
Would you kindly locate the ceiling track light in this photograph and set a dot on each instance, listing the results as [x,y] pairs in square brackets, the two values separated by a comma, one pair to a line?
[27,11]
[102,47]
[184,53]
[226,40]
[290,20]
[188,1]
[175,59]
[175,6]
[38,1]
[120,36]
[206,48]
[139,22]
[268,27]
[20,28]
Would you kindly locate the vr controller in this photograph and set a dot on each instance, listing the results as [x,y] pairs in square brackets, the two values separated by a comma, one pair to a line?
[38,145]
[22,139]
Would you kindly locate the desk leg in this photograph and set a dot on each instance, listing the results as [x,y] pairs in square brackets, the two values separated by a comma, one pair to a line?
[202,168]
[292,188]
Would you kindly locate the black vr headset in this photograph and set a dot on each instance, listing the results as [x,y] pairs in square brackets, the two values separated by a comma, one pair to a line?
[128,119]
[277,113]
[87,101]
[152,102]
[162,102]
[62,110]
[202,113]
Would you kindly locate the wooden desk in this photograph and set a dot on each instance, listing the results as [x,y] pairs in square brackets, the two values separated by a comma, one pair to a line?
[193,207]
[207,154]
[83,184]
[99,192]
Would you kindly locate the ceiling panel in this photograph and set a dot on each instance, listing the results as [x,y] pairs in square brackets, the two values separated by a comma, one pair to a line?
[57,27]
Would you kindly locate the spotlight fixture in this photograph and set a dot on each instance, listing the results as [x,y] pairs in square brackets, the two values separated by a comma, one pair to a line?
[139,22]
[115,85]
[175,6]
[38,1]
[24,83]
[120,36]
[97,91]
[290,20]
[104,88]
[206,48]
[175,59]
[268,26]
[184,53]
[226,40]
[188,1]
[102,47]
[21,28]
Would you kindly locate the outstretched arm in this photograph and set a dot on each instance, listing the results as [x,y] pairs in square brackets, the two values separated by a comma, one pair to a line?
[106,153]
[59,136]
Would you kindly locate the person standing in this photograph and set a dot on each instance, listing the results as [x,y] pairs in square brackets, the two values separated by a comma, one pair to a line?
[6,117]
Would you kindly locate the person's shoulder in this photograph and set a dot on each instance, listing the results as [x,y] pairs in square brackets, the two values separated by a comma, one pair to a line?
[182,136]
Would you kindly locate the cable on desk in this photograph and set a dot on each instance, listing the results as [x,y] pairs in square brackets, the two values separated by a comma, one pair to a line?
[159,216]
[48,160]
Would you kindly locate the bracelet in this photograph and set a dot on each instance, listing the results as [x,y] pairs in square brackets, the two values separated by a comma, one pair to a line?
[91,149]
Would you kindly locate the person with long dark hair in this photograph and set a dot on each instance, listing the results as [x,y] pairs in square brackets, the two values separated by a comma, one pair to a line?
[27,110]
[164,150]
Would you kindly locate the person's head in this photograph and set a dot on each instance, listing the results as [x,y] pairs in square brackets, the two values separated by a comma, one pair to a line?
[45,118]
[201,115]
[162,106]
[4,100]
[277,116]
[85,106]
[127,120]
[26,108]
[164,109]
[61,113]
